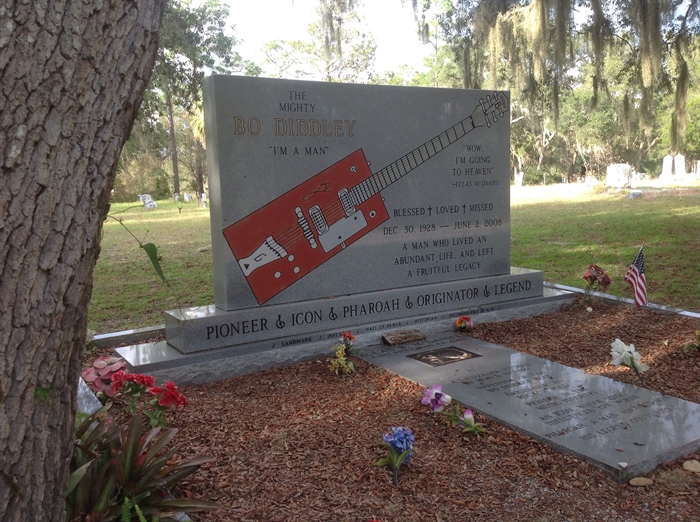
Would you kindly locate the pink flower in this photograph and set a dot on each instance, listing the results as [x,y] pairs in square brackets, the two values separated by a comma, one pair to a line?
[467,418]
[435,398]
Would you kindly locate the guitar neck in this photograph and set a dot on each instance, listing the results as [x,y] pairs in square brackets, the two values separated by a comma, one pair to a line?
[405,164]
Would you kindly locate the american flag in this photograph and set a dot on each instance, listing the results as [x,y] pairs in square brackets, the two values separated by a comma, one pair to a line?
[635,276]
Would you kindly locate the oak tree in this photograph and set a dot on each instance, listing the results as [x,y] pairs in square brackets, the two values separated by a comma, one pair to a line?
[72,76]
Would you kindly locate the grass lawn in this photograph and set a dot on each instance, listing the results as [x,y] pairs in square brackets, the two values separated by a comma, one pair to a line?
[559,229]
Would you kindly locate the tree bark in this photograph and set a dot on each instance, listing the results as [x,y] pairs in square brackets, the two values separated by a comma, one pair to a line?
[199,169]
[72,76]
[173,142]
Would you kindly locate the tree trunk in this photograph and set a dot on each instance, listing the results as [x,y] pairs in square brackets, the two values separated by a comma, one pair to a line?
[173,142]
[72,76]
[199,169]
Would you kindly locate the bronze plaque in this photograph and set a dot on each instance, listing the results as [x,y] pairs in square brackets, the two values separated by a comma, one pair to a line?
[443,356]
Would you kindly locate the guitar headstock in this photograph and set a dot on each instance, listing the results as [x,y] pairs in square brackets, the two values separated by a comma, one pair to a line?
[488,111]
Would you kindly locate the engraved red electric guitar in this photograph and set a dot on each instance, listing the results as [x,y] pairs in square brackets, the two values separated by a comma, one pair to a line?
[280,243]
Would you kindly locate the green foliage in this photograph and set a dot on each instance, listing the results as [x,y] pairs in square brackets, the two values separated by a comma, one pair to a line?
[127,292]
[561,236]
[116,467]
[338,49]
[43,393]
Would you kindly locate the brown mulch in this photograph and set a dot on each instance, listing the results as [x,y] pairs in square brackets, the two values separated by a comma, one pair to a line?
[298,443]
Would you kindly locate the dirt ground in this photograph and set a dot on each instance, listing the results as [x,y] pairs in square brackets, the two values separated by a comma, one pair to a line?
[298,443]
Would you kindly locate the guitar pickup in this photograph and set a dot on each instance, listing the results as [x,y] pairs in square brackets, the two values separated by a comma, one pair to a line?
[318,220]
[344,197]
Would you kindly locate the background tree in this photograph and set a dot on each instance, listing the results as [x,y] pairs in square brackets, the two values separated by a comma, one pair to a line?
[339,49]
[73,75]
[532,47]
[195,40]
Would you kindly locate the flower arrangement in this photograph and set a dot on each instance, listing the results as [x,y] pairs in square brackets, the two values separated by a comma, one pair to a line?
[596,279]
[435,398]
[464,420]
[399,443]
[464,323]
[626,355]
[691,346]
[135,386]
[99,376]
[340,362]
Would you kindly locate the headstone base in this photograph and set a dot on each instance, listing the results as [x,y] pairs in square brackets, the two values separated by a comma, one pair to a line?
[207,328]
[164,362]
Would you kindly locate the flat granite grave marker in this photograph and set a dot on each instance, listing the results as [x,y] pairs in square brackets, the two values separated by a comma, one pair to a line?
[621,428]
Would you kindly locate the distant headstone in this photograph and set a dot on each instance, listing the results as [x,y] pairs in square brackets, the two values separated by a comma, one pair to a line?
[188,197]
[147,201]
[621,428]
[667,168]
[519,179]
[679,165]
[618,175]
[176,197]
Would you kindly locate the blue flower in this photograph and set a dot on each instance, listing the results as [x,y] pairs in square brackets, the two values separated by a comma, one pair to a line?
[401,439]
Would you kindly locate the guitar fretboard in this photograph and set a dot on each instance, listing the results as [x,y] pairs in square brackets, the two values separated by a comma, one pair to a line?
[405,164]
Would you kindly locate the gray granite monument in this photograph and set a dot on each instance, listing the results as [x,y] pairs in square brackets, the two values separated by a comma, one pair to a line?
[342,206]
[338,205]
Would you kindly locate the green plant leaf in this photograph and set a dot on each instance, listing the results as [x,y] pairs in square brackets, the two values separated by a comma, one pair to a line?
[188,504]
[152,252]
[76,476]
[131,444]
[160,443]
[383,462]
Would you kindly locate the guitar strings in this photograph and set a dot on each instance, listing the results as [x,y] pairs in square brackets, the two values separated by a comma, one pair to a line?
[388,175]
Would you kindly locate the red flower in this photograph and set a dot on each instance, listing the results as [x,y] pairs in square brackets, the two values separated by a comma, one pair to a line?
[348,335]
[143,380]
[170,395]
[118,380]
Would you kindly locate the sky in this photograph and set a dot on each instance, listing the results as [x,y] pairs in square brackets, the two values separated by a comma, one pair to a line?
[391,23]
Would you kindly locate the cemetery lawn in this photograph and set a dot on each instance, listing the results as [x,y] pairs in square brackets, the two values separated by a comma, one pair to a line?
[559,229]
[298,443]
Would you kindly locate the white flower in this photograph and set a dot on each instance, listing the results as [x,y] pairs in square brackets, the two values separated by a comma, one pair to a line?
[625,355]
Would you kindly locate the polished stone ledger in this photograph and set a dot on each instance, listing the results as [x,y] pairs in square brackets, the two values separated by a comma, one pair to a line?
[623,429]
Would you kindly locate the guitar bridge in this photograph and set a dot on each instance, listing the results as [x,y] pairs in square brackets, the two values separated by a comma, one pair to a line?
[306,229]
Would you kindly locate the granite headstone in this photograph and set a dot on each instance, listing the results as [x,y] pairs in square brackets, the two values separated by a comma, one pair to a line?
[334,205]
